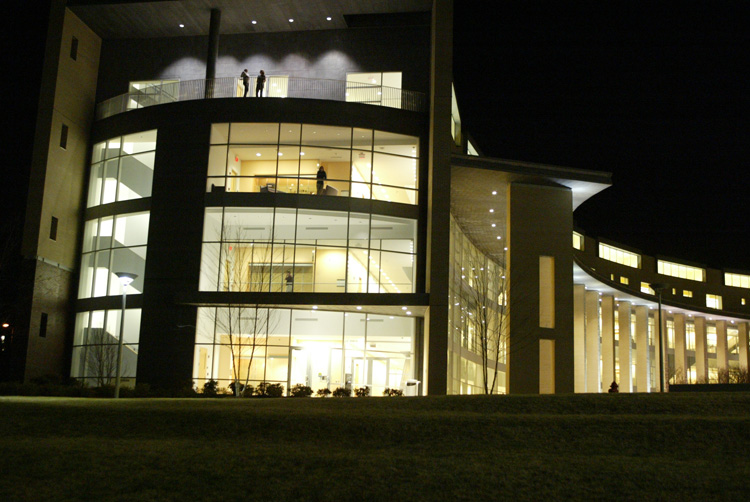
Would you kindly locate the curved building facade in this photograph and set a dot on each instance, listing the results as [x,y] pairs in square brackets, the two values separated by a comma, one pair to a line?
[339,230]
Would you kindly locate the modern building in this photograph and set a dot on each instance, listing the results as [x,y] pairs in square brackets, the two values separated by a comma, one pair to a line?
[331,225]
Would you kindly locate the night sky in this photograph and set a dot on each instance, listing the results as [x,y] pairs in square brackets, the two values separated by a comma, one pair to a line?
[654,92]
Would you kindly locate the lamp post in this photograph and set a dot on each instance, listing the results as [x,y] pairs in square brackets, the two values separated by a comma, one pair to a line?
[125,280]
[658,287]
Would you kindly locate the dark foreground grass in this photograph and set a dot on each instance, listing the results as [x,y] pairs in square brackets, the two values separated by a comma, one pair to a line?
[583,447]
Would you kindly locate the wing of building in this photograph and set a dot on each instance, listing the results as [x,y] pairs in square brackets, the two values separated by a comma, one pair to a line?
[329,225]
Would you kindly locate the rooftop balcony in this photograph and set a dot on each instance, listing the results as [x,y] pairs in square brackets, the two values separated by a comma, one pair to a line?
[146,94]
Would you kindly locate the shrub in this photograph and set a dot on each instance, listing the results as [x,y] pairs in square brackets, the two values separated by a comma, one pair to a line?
[266,389]
[341,392]
[325,392]
[393,392]
[211,388]
[362,391]
[300,390]
[248,391]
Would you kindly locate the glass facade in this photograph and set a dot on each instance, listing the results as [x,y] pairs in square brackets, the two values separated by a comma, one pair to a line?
[122,169]
[307,250]
[320,349]
[291,158]
[478,319]
[95,346]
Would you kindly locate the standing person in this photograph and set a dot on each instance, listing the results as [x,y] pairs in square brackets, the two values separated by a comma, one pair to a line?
[321,177]
[289,279]
[260,82]
[245,81]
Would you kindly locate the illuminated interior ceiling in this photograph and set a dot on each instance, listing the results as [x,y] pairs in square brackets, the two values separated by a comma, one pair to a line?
[479,194]
[153,19]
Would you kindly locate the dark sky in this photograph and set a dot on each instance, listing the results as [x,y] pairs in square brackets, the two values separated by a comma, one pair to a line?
[654,92]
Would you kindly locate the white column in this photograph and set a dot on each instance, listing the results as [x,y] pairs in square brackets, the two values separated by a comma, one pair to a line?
[680,356]
[641,349]
[701,357]
[608,341]
[592,341]
[579,337]
[722,354]
[744,356]
[623,323]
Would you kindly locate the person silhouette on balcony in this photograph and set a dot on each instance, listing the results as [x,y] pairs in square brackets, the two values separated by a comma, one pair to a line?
[260,82]
[245,81]
[614,388]
[321,177]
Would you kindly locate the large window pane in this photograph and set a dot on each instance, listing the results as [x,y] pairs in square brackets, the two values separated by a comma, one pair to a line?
[395,171]
[320,135]
[139,142]
[399,144]
[260,133]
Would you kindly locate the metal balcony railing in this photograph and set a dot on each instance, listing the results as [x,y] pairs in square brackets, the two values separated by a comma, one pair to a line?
[276,87]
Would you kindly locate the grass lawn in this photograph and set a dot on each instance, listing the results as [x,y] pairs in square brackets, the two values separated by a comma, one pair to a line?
[585,447]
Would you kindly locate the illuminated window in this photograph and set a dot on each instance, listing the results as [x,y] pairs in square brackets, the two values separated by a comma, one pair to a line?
[690,335]
[681,271]
[737,280]
[617,255]
[713,301]
[687,293]
[743,302]
[624,280]
[152,92]
[374,88]
[646,288]
[577,241]
[733,341]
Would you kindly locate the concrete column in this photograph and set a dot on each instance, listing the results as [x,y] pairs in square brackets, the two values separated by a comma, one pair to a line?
[642,349]
[608,341]
[623,322]
[680,355]
[722,354]
[579,337]
[665,350]
[213,51]
[701,357]
[439,197]
[592,341]
[744,356]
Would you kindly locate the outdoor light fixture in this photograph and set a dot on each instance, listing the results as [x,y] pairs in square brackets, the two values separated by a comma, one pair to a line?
[658,287]
[125,280]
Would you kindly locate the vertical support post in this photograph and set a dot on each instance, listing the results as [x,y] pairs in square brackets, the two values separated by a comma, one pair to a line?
[213,52]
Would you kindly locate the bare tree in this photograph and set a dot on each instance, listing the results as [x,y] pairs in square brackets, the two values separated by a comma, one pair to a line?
[245,267]
[101,356]
[484,291]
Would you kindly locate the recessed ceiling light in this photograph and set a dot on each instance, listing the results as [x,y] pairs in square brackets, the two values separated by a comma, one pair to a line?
[182,25]
[408,313]
[257,154]
[498,237]
[494,225]
[254,21]
[494,192]
[315,307]
[492,210]
[403,308]
[359,308]
[291,20]
[328,18]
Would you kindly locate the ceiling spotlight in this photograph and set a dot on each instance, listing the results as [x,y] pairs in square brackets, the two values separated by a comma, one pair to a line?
[493,225]
[254,21]
[492,210]
[182,25]
[328,18]
[494,192]
[291,20]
